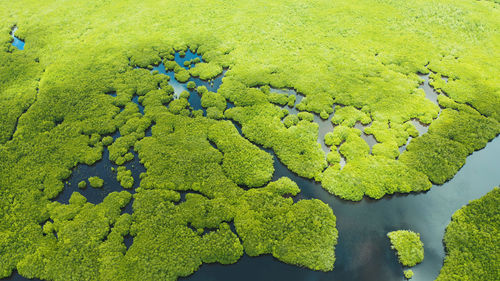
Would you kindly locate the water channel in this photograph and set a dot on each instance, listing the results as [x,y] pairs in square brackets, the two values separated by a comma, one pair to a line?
[363,252]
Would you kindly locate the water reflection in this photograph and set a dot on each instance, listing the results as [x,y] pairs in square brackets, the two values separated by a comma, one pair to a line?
[363,251]
[430,93]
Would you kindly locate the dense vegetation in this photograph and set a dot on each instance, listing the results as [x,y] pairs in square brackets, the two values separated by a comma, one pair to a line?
[472,241]
[408,246]
[71,88]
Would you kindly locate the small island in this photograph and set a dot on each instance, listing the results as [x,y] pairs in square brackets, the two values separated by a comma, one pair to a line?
[409,248]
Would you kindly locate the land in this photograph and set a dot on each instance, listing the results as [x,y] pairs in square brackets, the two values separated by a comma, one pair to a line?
[207,194]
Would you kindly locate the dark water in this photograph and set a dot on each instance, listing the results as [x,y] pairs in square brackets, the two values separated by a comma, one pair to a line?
[363,252]
[18,43]
[104,170]
[187,57]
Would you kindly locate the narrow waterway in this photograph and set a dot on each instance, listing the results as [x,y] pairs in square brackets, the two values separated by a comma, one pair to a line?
[18,43]
[363,252]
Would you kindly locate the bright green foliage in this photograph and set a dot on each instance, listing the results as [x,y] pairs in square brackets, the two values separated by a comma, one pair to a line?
[214,113]
[191,85]
[243,163]
[182,75]
[290,120]
[291,100]
[240,94]
[349,115]
[184,95]
[276,98]
[205,71]
[296,146]
[472,241]
[391,132]
[211,99]
[107,140]
[75,234]
[352,146]
[470,129]
[305,116]
[409,248]
[408,273]
[19,82]
[369,176]
[82,184]
[96,182]
[291,232]
[53,104]
[124,176]
[333,156]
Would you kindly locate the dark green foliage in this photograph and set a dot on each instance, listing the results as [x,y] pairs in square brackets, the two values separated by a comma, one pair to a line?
[409,248]
[472,241]
[437,157]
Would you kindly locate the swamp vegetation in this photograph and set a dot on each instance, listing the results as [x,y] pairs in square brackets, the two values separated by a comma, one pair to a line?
[90,81]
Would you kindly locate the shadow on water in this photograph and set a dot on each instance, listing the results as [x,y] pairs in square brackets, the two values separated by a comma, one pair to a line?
[18,43]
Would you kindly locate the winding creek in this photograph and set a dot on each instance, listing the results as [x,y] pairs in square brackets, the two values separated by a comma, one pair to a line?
[363,251]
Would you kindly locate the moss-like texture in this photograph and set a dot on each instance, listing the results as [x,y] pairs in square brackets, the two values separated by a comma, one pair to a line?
[409,248]
[96,182]
[124,176]
[82,184]
[408,273]
[72,86]
[472,241]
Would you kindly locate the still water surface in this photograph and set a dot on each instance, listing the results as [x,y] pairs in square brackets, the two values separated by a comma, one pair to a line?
[363,252]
